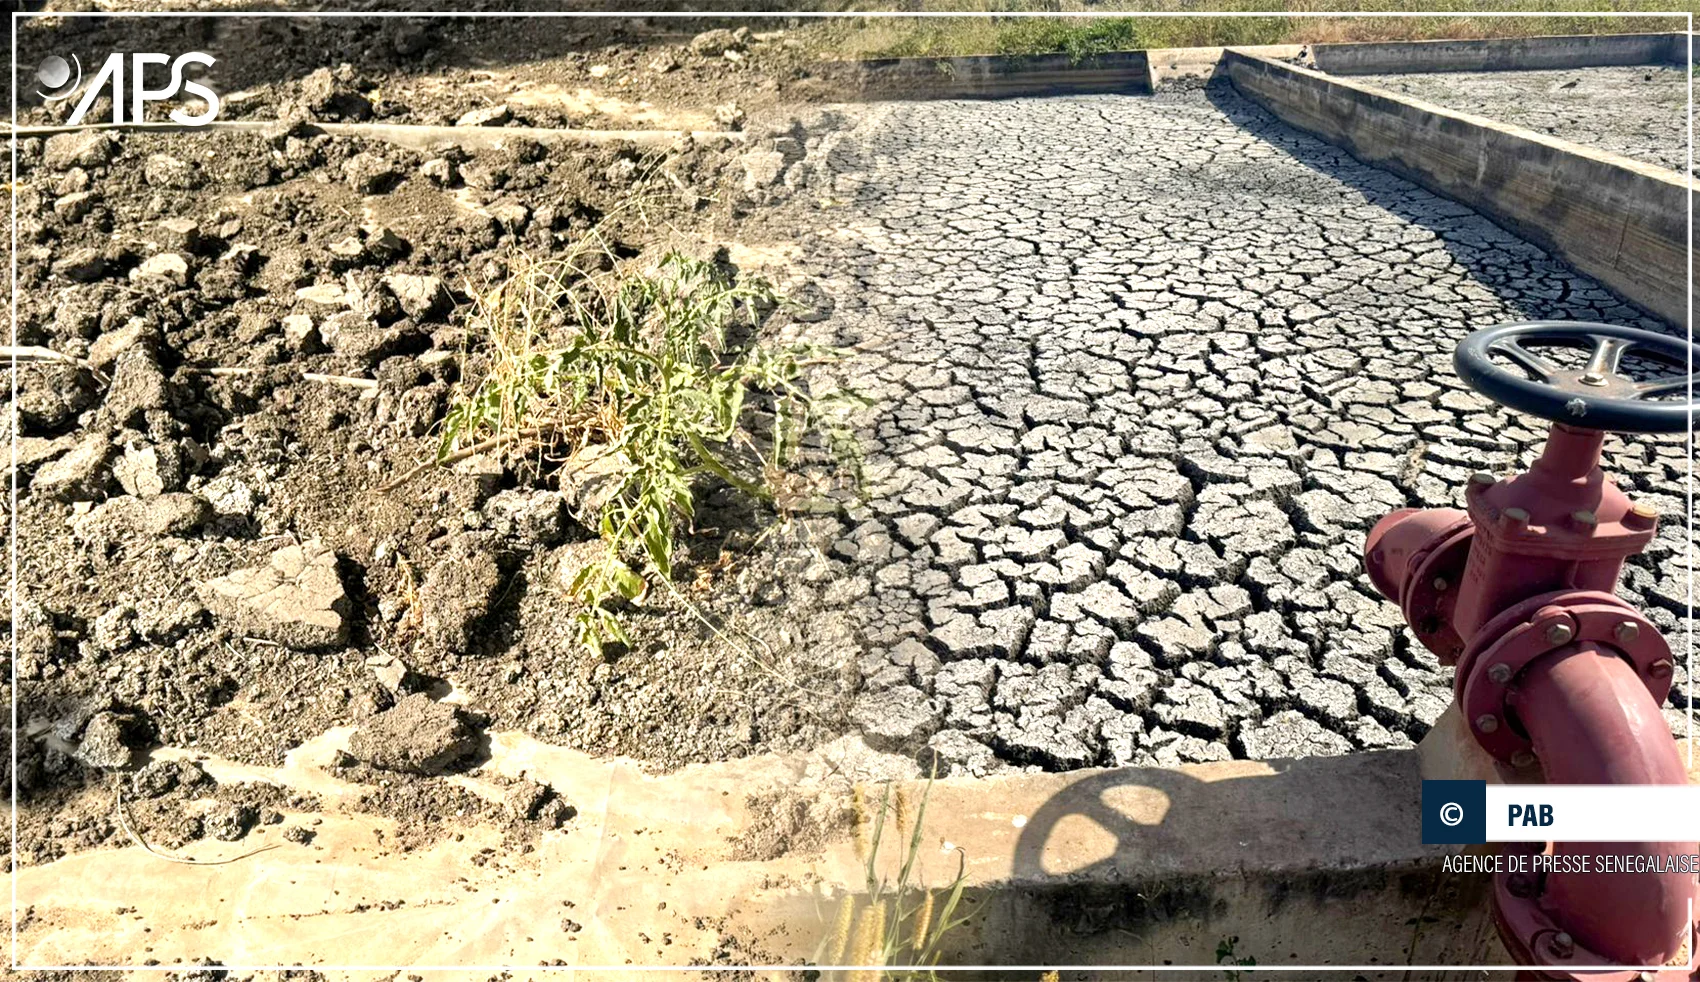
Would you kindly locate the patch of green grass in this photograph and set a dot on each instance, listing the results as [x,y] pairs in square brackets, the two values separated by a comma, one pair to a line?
[1080,37]
[634,388]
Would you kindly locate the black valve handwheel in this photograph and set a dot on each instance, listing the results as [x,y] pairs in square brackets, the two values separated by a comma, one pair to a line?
[1595,396]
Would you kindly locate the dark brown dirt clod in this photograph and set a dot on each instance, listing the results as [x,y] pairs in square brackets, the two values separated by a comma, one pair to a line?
[417,736]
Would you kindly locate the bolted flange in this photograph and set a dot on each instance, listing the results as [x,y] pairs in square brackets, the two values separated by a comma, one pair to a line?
[1533,938]
[1486,677]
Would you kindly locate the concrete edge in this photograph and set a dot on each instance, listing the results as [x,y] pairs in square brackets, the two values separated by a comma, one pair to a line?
[1141,72]
[990,76]
[1618,220]
[1502,54]
[410,136]
[1314,861]
[1171,66]
[1125,866]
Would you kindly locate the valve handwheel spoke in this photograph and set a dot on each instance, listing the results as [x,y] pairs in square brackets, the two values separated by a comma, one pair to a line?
[1599,395]
[1670,385]
[1608,354]
[1538,364]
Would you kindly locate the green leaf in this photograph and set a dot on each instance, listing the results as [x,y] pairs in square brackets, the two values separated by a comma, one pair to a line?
[628,582]
[656,542]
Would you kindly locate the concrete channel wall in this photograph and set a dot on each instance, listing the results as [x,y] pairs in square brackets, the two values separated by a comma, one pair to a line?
[1620,221]
[991,76]
[1501,54]
[1306,862]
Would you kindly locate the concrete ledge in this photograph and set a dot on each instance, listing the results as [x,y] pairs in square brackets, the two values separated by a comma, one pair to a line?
[1501,54]
[996,76]
[991,76]
[1622,222]
[1314,861]
[1307,862]
[1177,66]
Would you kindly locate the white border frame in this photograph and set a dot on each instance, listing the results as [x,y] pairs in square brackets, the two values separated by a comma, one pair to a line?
[12,500]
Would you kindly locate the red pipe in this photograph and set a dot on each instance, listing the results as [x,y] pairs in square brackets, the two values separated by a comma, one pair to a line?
[1592,721]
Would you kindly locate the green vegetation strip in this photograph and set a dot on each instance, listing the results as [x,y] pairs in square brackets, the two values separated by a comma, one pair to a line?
[1082,37]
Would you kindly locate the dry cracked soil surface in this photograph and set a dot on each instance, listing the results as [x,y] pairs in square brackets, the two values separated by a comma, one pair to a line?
[1150,369]
[1639,111]
[1142,373]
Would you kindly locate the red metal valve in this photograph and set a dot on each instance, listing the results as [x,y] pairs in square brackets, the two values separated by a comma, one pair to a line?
[1518,593]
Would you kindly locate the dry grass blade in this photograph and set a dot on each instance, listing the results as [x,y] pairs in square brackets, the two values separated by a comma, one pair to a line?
[905,923]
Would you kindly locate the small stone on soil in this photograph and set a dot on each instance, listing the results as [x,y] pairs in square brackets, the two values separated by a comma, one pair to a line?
[371,173]
[149,471]
[531,519]
[80,475]
[416,736]
[438,171]
[392,673]
[106,348]
[137,386]
[180,234]
[422,297]
[486,116]
[164,171]
[111,740]
[301,333]
[296,599]
[72,207]
[230,822]
[328,97]
[713,44]
[90,148]
[168,267]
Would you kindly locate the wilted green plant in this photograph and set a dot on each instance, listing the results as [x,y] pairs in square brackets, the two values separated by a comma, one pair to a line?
[900,924]
[635,387]
[1226,955]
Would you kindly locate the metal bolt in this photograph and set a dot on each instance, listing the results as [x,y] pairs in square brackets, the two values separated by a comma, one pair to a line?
[1440,584]
[1592,378]
[1644,510]
[1626,632]
[1560,634]
[1584,517]
[1482,479]
[1661,669]
[1563,945]
[1487,723]
[1500,673]
[1522,758]
[1516,515]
